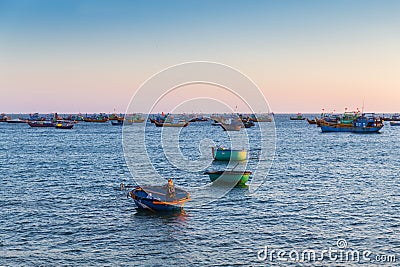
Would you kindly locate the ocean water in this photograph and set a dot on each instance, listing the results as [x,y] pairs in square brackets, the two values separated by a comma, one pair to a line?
[61,203]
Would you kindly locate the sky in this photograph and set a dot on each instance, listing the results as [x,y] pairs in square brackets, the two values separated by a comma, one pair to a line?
[70,56]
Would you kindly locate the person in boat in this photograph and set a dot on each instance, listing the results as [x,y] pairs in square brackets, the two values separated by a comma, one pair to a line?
[170,190]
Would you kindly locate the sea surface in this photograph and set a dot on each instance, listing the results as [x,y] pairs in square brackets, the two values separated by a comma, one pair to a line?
[61,203]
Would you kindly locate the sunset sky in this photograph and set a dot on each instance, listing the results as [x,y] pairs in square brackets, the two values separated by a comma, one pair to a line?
[91,56]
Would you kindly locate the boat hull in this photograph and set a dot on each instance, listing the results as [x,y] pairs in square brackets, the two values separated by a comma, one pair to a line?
[350,129]
[95,120]
[231,127]
[65,126]
[229,154]
[229,177]
[154,198]
[167,124]
[41,124]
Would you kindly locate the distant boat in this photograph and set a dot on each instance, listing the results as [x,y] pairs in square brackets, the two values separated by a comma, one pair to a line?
[41,124]
[395,123]
[64,125]
[394,117]
[366,123]
[16,121]
[231,127]
[299,117]
[171,124]
[100,120]
[240,177]
[3,117]
[261,117]
[311,121]
[228,122]
[155,198]
[225,154]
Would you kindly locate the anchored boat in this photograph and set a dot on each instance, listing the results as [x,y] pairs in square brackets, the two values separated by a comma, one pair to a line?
[367,123]
[64,125]
[228,177]
[41,124]
[221,153]
[299,117]
[156,198]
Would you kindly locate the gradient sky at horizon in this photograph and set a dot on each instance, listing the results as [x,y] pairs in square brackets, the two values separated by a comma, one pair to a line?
[91,56]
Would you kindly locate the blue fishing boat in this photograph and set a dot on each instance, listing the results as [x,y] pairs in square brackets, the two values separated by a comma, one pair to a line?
[367,123]
[395,123]
[41,124]
[224,154]
[156,198]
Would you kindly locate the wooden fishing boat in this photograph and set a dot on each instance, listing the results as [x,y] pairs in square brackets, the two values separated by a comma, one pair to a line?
[155,198]
[225,154]
[229,177]
[299,117]
[261,118]
[133,118]
[230,127]
[171,124]
[395,123]
[64,125]
[16,121]
[311,121]
[41,124]
[100,120]
[363,124]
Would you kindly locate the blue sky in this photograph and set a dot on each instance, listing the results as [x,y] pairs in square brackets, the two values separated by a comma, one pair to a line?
[103,50]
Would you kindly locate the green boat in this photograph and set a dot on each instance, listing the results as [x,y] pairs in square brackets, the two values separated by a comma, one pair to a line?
[230,176]
[225,154]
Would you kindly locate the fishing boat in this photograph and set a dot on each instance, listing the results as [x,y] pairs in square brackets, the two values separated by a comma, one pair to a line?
[99,118]
[102,120]
[155,198]
[41,124]
[224,154]
[261,117]
[3,117]
[366,123]
[231,124]
[228,122]
[311,121]
[19,120]
[395,123]
[133,118]
[64,125]
[179,123]
[229,177]
[394,117]
[299,117]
